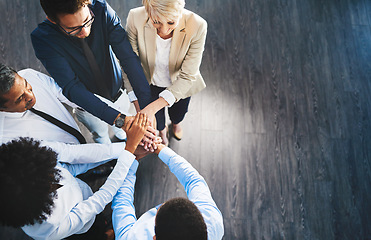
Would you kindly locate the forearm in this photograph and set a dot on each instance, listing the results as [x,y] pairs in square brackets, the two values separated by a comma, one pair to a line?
[131,65]
[197,191]
[84,211]
[77,169]
[85,153]
[136,105]
[92,104]
[194,184]
[155,106]
[123,215]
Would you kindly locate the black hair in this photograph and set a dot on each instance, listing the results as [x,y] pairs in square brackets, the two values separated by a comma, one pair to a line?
[7,76]
[180,219]
[53,8]
[28,180]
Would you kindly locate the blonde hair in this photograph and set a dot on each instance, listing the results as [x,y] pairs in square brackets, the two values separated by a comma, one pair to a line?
[163,9]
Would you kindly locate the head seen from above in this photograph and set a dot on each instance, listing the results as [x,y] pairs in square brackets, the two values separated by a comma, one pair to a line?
[29,180]
[180,219]
[164,15]
[16,93]
[73,17]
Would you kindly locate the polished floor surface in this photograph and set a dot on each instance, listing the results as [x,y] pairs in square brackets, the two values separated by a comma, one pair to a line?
[282,133]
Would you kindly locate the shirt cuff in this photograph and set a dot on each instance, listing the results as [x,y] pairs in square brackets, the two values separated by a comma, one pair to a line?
[166,154]
[127,158]
[117,148]
[134,166]
[168,96]
[132,96]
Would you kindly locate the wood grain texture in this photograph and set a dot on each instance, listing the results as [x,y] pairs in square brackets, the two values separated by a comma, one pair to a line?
[282,133]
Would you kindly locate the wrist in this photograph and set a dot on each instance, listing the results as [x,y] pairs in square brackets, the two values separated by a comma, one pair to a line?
[159,148]
[130,148]
[120,120]
[158,104]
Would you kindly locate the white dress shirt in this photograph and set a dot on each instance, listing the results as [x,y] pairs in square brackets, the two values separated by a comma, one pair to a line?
[75,206]
[49,99]
[161,74]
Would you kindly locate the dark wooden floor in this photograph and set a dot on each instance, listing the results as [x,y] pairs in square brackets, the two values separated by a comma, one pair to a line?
[282,133]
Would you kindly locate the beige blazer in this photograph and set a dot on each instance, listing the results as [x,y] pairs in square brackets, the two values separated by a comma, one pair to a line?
[186,50]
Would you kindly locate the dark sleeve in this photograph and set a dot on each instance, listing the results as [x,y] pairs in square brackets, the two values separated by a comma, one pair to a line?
[128,59]
[59,68]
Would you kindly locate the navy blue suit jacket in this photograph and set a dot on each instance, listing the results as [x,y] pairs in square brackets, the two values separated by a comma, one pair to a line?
[64,59]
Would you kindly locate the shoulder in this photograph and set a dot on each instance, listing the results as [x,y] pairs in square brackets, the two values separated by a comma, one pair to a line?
[138,14]
[194,24]
[44,30]
[35,77]
[193,19]
[98,3]
[213,219]
[139,11]
[100,8]
[137,18]
[29,74]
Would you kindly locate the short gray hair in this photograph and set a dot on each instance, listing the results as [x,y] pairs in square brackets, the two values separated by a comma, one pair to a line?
[7,76]
[163,9]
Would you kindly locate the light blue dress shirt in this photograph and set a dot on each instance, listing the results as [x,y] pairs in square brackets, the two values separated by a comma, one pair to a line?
[127,226]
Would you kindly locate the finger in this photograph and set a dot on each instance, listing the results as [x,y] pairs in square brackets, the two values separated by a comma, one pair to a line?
[153,147]
[151,129]
[150,135]
[129,124]
[145,122]
[136,120]
[146,140]
[157,140]
[146,146]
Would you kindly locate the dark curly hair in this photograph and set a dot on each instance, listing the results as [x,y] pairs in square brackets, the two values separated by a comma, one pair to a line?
[180,219]
[53,8]
[27,182]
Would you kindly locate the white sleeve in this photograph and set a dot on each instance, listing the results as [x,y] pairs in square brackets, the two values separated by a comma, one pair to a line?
[54,87]
[85,153]
[168,96]
[84,211]
[132,96]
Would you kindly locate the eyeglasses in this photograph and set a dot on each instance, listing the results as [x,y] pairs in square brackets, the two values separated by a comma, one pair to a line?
[77,30]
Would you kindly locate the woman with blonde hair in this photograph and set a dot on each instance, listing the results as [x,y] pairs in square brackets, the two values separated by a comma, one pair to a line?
[169,41]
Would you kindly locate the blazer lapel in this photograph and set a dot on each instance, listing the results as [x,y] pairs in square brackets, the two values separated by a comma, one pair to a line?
[150,41]
[176,45]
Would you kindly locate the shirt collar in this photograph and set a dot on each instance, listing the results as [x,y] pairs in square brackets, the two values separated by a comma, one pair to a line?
[13,114]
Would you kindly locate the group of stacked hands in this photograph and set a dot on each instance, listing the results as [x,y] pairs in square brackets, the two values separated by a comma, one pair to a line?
[43,149]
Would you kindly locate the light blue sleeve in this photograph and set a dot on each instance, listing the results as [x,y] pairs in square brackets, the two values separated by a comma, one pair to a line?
[197,191]
[77,169]
[84,211]
[123,215]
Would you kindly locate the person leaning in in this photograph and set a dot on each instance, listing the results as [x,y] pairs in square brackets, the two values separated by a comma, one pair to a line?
[83,46]
[40,190]
[196,217]
[169,41]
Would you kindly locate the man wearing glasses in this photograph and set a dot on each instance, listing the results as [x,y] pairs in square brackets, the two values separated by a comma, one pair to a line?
[80,44]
